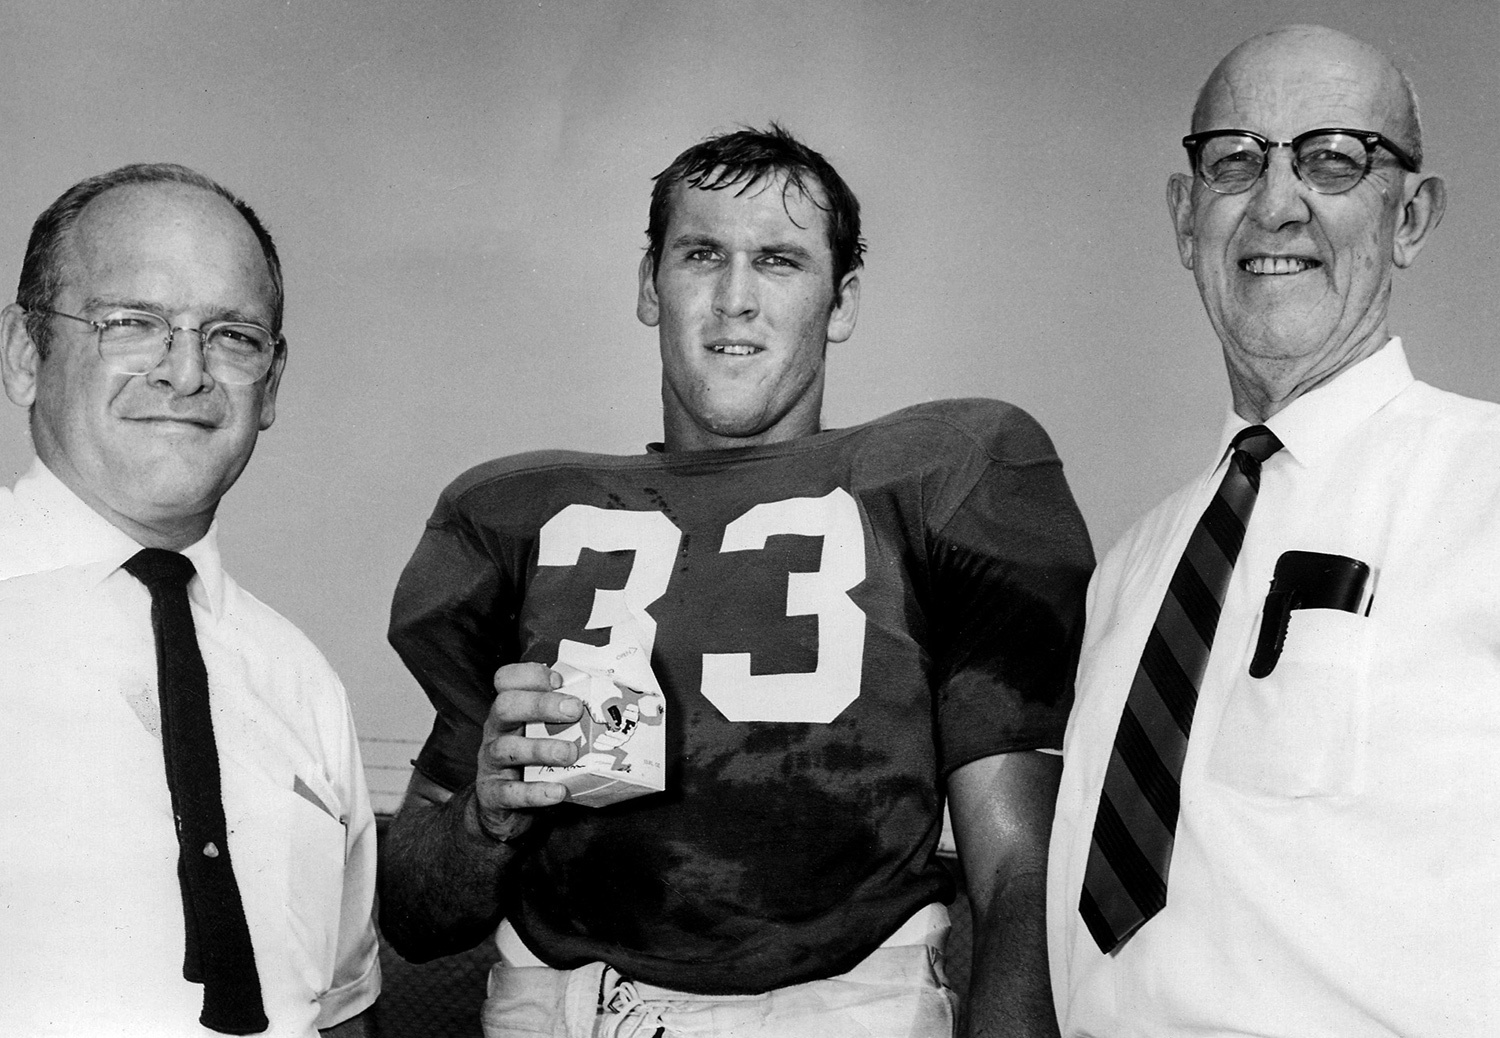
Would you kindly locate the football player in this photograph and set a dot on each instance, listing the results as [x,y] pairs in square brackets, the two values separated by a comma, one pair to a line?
[848,626]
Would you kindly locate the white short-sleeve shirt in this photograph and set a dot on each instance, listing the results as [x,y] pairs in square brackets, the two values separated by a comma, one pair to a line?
[91,929]
[1337,862]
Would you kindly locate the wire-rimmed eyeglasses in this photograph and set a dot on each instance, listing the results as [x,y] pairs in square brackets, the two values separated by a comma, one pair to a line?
[134,342]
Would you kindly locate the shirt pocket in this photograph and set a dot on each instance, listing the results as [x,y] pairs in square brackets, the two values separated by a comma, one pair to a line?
[1302,730]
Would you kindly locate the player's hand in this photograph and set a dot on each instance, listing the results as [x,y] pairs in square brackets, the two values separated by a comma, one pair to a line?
[524,692]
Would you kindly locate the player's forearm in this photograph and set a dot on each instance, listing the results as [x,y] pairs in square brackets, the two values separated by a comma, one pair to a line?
[440,879]
[1010,992]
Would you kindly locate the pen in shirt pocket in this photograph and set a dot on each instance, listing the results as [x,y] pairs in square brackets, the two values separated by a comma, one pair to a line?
[1308,580]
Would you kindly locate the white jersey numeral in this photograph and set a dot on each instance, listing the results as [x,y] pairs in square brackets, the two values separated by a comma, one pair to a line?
[813,697]
[818,696]
[654,539]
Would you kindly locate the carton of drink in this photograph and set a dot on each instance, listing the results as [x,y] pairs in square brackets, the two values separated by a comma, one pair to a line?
[622,733]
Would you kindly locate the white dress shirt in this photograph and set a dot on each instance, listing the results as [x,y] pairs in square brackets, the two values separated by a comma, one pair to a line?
[91,927]
[1337,863]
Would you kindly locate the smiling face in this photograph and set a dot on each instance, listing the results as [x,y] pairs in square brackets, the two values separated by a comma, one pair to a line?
[152,453]
[745,305]
[1296,284]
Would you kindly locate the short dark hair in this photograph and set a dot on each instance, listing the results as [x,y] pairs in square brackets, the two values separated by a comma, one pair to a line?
[747,157]
[41,271]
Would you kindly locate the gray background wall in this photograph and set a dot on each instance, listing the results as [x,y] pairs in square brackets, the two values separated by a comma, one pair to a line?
[459,192]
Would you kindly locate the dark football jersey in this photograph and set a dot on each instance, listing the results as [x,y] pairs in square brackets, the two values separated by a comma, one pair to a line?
[837,622]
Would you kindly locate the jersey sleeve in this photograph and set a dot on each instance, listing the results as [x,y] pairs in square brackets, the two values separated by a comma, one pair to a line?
[1010,569]
[452,629]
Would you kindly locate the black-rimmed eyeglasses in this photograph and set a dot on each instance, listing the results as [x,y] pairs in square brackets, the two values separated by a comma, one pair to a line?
[134,342]
[1328,160]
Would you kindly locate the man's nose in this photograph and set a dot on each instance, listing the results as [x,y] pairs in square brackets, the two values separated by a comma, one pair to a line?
[735,292]
[182,365]
[1279,197]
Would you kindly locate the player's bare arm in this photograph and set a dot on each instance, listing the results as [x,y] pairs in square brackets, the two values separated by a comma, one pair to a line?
[1002,819]
[444,859]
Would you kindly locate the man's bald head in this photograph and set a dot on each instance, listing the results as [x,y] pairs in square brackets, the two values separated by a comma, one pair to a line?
[1287,58]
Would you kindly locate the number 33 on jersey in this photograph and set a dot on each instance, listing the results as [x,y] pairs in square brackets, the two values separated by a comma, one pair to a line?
[729,683]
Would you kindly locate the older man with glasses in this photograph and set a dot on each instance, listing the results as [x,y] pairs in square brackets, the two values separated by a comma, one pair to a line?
[1280,801]
[188,846]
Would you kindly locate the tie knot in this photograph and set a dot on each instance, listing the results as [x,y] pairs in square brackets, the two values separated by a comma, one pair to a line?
[1257,441]
[158,568]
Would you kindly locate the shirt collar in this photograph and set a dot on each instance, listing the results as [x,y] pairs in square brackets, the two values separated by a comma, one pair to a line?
[59,529]
[1313,426]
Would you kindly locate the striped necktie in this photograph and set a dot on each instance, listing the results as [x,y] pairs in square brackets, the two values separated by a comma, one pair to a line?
[218,952]
[1125,882]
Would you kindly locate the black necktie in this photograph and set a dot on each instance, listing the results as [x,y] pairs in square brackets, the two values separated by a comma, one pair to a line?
[218,954]
[1125,882]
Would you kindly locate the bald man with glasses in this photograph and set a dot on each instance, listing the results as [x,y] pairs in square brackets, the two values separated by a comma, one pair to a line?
[1281,795]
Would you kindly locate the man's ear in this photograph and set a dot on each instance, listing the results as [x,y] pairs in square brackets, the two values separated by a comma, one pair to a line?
[1180,205]
[647,308]
[19,357]
[273,383]
[845,309]
[1424,198]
